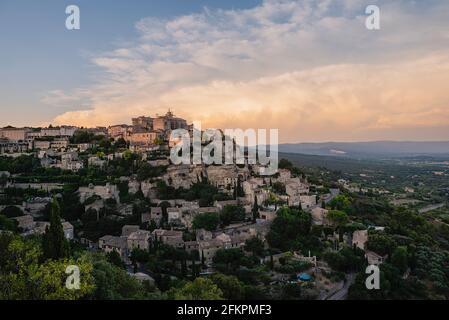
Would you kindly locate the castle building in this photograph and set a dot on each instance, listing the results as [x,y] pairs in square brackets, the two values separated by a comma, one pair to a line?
[143,122]
[169,122]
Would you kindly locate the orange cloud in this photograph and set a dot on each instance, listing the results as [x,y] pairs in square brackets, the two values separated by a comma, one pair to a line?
[292,65]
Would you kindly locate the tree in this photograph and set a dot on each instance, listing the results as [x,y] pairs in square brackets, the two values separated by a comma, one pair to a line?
[291,291]
[199,289]
[337,218]
[341,202]
[255,293]
[399,258]
[3,179]
[289,229]
[158,141]
[238,189]
[229,261]
[7,224]
[24,277]
[123,188]
[164,205]
[50,280]
[285,164]
[255,210]
[139,255]
[127,155]
[113,283]
[208,221]
[195,271]
[232,213]
[231,287]
[115,259]
[279,187]
[347,259]
[255,246]
[380,243]
[147,171]
[12,212]
[71,207]
[21,164]
[55,244]
[82,136]
[120,143]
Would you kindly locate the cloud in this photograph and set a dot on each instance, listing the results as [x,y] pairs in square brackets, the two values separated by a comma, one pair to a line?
[309,68]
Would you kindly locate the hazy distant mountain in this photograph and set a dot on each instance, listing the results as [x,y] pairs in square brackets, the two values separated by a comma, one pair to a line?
[369,149]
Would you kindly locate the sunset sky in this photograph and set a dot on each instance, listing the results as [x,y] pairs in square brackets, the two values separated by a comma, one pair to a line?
[309,68]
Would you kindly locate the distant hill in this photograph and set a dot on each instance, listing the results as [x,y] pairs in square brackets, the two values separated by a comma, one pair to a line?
[373,149]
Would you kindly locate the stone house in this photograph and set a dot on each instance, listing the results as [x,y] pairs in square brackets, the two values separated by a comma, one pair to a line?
[174,214]
[35,205]
[68,229]
[359,238]
[139,239]
[112,243]
[374,258]
[307,201]
[221,204]
[267,215]
[169,237]
[208,248]
[319,216]
[128,229]
[156,215]
[26,222]
[145,217]
[105,192]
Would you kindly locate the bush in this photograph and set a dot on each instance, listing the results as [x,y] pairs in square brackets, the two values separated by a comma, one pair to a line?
[208,221]
[12,212]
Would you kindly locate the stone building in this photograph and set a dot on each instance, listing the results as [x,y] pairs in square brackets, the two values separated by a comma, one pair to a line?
[183,176]
[169,237]
[112,243]
[139,239]
[359,238]
[319,216]
[119,131]
[105,192]
[143,122]
[128,229]
[156,215]
[169,122]
[14,134]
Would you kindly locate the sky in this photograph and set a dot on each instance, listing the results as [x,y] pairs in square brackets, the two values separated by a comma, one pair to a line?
[309,68]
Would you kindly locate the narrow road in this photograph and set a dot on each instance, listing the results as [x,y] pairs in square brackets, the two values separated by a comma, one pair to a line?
[333,194]
[431,207]
[343,292]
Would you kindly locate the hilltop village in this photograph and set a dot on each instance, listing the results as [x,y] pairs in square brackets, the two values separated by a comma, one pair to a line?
[110,200]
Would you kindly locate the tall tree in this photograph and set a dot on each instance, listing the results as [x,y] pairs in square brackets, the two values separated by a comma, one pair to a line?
[55,244]
[255,210]
[199,289]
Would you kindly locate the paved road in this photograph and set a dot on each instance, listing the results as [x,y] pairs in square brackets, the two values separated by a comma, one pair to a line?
[431,207]
[333,194]
[343,292]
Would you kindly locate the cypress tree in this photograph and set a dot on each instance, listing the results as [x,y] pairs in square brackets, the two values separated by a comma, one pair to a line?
[194,270]
[55,244]
[235,191]
[238,189]
[203,259]
[184,267]
[255,209]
